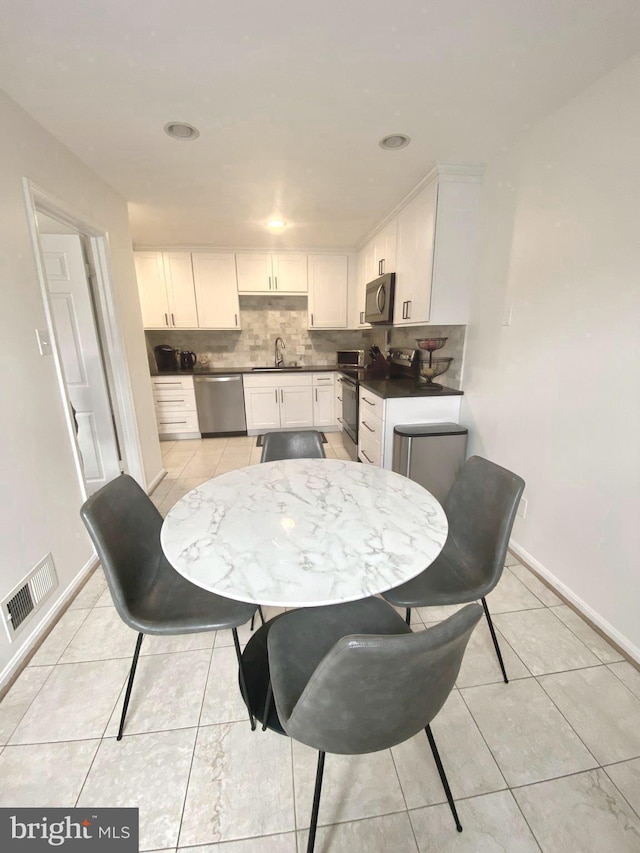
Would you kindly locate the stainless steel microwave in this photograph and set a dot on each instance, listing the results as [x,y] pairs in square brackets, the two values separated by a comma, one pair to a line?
[378,306]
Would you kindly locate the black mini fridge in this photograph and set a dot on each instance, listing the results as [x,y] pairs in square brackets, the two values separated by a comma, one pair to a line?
[430,454]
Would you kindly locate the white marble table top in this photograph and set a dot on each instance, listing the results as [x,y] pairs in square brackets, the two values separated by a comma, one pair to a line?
[304,532]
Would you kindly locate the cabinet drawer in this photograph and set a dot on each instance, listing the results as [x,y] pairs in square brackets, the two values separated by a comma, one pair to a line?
[171,384]
[277,380]
[323,379]
[370,447]
[174,401]
[371,404]
[370,425]
[177,422]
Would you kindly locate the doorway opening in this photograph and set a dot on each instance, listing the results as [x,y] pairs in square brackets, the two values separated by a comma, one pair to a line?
[84,339]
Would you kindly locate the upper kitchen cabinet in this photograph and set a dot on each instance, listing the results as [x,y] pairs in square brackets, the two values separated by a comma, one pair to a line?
[384,250]
[436,250]
[214,276]
[328,288]
[165,285]
[274,274]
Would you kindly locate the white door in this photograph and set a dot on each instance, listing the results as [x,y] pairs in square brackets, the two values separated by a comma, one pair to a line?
[81,357]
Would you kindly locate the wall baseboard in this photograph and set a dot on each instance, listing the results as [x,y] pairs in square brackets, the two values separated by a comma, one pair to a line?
[156,481]
[39,633]
[626,647]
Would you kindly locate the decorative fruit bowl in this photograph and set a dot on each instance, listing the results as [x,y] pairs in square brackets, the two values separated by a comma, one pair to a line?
[431,344]
[434,367]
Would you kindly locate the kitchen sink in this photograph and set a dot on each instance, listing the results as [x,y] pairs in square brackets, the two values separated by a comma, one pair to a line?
[277,369]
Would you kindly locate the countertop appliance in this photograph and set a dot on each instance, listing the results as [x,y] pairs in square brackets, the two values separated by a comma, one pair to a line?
[166,357]
[350,357]
[430,454]
[378,306]
[187,360]
[220,405]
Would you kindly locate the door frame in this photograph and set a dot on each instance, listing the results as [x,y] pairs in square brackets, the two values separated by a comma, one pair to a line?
[39,200]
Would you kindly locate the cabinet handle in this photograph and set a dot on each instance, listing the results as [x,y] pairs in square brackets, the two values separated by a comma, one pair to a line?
[236,318]
[339,420]
[169,423]
[339,399]
[269,282]
[366,457]
[316,395]
[312,319]
[275,278]
[281,396]
[368,401]
[409,310]
[173,319]
[276,395]
[404,310]
[361,317]
[166,320]
[365,424]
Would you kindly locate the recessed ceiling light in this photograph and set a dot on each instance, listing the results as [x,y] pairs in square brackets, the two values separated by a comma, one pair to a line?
[394,141]
[275,224]
[181,131]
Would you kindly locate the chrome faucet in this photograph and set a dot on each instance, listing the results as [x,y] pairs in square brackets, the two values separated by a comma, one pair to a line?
[278,357]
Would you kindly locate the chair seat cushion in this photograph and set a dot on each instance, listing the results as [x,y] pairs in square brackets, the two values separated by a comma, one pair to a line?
[301,638]
[446,581]
[170,604]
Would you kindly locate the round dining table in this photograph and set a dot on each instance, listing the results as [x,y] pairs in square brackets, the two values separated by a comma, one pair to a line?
[301,533]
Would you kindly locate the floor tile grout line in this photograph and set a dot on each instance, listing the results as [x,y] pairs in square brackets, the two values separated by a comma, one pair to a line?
[626,799]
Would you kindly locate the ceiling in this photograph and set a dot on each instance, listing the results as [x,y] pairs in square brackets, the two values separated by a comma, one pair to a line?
[291,99]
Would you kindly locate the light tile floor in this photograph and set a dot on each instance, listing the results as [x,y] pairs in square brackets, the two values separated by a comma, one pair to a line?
[550,762]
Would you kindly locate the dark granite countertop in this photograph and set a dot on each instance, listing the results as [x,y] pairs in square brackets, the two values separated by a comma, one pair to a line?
[385,388]
[390,388]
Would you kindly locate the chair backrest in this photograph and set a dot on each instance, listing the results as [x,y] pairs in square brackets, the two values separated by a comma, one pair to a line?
[301,444]
[372,691]
[125,527]
[481,508]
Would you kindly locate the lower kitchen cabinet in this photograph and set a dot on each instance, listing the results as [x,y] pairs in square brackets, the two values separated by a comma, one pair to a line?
[175,404]
[282,403]
[378,417]
[324,409]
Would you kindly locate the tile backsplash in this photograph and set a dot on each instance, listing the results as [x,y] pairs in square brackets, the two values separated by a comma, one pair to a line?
[264,318]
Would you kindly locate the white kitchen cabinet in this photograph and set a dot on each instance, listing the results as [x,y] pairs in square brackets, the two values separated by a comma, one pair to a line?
[284,401]
[384,250]
[274,274]
[328,283]
[214,276]
[175,405]
[378,417]
[436,251]
[337,387]
[166,290]
[324,408]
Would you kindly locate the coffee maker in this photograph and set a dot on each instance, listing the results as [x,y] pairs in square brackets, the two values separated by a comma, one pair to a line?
[166,358]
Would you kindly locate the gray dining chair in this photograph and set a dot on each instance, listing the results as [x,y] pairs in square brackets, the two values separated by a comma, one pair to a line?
[354,678]
[149,594]
[480,508]
[298,444]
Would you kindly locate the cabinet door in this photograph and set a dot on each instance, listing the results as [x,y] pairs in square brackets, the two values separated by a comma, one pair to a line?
[152,290]
[327,291]
[324,406]
[178,274]
[290,273]
[296,407]
[262,407]
[385,249]
[214,277]
[414,266]
[254,273]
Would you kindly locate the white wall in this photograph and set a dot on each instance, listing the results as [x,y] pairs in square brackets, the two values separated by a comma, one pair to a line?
[38,484]
[554,396]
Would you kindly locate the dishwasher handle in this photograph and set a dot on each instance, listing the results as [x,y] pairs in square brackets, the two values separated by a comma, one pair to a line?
[235,378]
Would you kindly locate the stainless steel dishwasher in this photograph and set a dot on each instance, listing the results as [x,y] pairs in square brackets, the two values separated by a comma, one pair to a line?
[220,404]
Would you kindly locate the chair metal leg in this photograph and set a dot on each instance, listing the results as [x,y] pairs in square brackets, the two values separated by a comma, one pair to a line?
[316,803]
[408,616]
[243,683]
[127,695]
[495,641]
[267,706]
[443,777]
[252,620]
[261,614]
